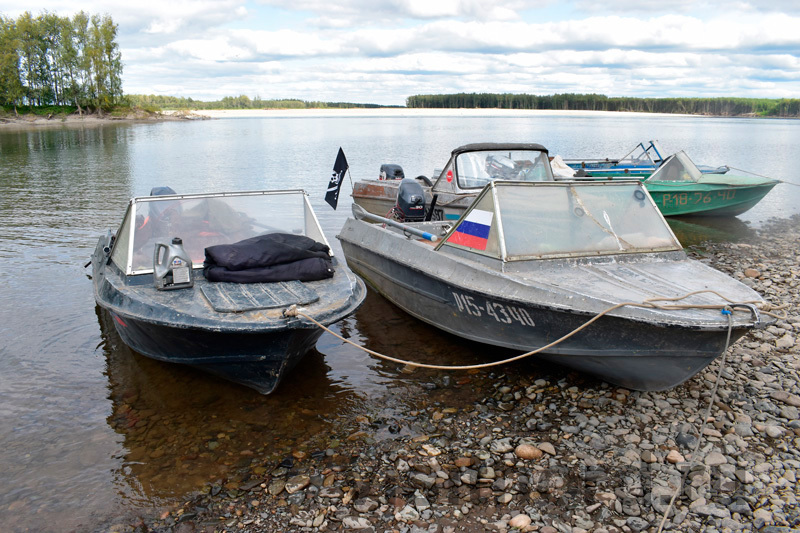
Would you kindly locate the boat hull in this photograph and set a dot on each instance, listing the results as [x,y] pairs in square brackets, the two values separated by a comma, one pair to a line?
[702,199]
[696,199]
[379,197]
[632,354]
[257,360]
[255,348]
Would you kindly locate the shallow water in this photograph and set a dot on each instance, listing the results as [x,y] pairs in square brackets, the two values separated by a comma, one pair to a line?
[90,430]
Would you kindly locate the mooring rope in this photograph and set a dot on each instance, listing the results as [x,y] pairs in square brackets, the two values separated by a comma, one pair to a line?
[707,415]
[650,303]
[763,176]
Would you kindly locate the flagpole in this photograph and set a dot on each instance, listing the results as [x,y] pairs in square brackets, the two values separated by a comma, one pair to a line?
[352,187]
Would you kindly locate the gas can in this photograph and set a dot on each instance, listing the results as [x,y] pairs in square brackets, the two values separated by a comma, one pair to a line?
[172,268]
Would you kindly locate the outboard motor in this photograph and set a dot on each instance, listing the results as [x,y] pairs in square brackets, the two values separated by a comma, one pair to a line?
[390,171]
[156,208]
[499,166]
[410,205]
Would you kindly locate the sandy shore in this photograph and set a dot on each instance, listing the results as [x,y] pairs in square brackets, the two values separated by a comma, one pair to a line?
[11,122]
[405,112]
[27,121]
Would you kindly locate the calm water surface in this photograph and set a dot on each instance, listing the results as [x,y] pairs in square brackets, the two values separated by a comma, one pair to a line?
[90,431]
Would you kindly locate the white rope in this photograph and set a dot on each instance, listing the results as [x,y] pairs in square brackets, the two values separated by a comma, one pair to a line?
[693,460]
[651,303]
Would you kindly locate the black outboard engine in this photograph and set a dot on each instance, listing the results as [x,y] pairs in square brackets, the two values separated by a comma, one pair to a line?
[390,171]
[499,166]
[410,205]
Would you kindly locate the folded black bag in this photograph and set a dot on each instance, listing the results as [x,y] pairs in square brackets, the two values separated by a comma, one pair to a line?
[265,250]
[268,258]
[311,269]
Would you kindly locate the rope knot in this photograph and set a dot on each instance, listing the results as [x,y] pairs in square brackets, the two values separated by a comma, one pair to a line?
[291,311]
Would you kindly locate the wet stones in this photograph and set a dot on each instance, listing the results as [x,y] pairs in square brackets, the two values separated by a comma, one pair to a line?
[566,454]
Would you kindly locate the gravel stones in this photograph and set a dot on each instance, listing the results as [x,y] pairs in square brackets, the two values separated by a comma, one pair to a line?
[528,452]
[556,452]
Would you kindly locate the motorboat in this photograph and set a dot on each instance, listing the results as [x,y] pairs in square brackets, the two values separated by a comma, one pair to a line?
[678,187]
[529,262]
[237,330]
[640,162]
[468,170]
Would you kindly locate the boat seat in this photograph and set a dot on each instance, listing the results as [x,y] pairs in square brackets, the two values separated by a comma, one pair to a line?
[240,297]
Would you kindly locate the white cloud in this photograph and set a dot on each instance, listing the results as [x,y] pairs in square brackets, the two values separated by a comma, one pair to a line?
[385,50]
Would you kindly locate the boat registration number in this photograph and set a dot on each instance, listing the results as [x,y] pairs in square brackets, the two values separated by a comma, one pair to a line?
[696,198]
[505,314]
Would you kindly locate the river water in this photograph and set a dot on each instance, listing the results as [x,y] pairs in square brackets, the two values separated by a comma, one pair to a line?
[91,432]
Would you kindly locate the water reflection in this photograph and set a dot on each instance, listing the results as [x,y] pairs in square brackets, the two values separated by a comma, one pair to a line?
[78,448]
[182,428]
[692,231]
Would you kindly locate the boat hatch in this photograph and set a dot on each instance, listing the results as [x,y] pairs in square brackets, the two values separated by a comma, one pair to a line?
[677,168]
[477,168]
[203,220]
[514,221]
[240,297]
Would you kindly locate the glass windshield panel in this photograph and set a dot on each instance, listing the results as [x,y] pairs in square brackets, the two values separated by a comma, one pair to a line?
[477,231]
[677,168]
[476,169]
[212,220]
[580,219]
[122,243]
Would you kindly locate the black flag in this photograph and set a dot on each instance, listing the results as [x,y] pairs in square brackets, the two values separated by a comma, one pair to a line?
[337,177]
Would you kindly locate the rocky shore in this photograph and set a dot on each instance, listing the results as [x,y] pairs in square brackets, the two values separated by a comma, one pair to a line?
[494,452]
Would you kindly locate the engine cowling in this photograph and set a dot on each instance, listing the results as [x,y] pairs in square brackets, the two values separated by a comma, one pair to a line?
[410,204]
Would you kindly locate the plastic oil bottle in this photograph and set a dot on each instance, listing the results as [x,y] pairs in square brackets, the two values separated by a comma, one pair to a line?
[172,268]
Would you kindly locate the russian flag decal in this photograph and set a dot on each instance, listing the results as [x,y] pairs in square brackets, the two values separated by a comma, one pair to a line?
[473,232]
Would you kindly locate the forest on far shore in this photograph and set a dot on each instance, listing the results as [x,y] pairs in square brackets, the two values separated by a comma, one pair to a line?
[719,106]
[51,61]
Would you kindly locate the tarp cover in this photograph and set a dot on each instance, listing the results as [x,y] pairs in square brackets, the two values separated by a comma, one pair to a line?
[268,258]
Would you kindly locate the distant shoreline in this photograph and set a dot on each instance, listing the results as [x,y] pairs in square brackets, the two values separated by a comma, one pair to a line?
[411,112]
[31,121]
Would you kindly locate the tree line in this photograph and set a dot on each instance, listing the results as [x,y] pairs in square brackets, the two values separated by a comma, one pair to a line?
[723,106]
[153,102]
[51,60]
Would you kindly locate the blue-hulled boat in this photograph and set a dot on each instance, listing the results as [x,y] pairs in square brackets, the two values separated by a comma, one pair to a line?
[640,162]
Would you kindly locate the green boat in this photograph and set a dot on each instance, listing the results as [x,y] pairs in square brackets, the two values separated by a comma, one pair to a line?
[679,188]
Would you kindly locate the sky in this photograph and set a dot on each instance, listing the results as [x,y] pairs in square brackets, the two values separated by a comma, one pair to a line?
[382,51]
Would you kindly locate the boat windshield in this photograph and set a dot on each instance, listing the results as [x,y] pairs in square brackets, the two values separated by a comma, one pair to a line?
[208,219]
[677,168]
[644,155]
[546,220]
[476,169]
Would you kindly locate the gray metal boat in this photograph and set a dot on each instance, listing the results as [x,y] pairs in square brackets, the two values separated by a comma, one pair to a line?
[238,331]
[529,262]
[468,170]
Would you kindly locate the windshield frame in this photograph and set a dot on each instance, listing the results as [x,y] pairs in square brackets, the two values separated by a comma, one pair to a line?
[497,246]
[125,234]
[499,155]
[694,173]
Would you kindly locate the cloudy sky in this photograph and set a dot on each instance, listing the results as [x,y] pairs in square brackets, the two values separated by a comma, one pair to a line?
[381,51]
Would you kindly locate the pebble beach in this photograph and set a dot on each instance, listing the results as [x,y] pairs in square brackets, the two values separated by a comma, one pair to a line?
[491,452]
